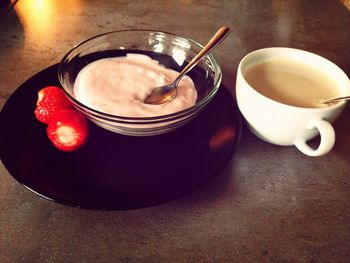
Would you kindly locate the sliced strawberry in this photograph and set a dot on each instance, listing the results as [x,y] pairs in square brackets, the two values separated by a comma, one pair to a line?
[50,100]
[67,130]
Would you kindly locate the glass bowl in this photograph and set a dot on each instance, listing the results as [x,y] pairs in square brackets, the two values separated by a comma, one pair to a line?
[170,50]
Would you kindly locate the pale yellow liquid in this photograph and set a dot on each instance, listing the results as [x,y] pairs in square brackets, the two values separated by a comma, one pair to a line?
[292,83]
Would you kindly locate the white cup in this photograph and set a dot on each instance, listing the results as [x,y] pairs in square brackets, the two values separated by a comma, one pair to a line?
[282,124]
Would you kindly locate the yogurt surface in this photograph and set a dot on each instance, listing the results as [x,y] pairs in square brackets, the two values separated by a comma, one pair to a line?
[119,85]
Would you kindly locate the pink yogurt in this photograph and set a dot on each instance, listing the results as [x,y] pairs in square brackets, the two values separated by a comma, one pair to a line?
[119,86]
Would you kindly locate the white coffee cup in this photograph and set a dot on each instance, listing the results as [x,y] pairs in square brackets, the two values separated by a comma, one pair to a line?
[283,124]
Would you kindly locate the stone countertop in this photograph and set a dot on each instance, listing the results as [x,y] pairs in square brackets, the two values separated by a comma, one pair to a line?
[268,204]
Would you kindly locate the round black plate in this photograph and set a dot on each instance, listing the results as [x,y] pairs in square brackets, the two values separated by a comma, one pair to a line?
[112,171]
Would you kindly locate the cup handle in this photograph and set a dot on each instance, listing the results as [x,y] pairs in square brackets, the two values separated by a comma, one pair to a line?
[327,135]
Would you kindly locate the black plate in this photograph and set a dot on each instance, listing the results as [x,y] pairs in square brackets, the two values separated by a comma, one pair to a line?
[112,171]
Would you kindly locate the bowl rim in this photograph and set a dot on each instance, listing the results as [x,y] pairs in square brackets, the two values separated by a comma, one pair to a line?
[109,116]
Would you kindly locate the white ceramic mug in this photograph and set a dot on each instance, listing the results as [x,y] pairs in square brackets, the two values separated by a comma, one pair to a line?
[283,124]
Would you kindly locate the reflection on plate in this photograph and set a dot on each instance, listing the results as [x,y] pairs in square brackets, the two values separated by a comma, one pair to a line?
[111,171]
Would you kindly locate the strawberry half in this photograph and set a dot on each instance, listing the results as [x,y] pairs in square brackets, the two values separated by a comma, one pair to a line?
[67,130]
[50,100]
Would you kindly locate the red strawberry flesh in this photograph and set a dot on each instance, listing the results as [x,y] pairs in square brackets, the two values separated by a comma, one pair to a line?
[68,130]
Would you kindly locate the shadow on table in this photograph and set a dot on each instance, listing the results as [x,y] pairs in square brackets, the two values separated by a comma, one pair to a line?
[12,32]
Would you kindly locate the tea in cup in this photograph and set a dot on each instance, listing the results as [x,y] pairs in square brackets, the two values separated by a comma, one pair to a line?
[280,91]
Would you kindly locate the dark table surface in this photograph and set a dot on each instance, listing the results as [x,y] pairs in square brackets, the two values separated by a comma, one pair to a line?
[268,204]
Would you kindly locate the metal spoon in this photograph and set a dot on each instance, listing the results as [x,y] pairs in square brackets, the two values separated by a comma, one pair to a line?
[336,100]
[167,93]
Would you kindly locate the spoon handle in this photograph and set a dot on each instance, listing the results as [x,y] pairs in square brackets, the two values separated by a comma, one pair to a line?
[220,35]
[336,99]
